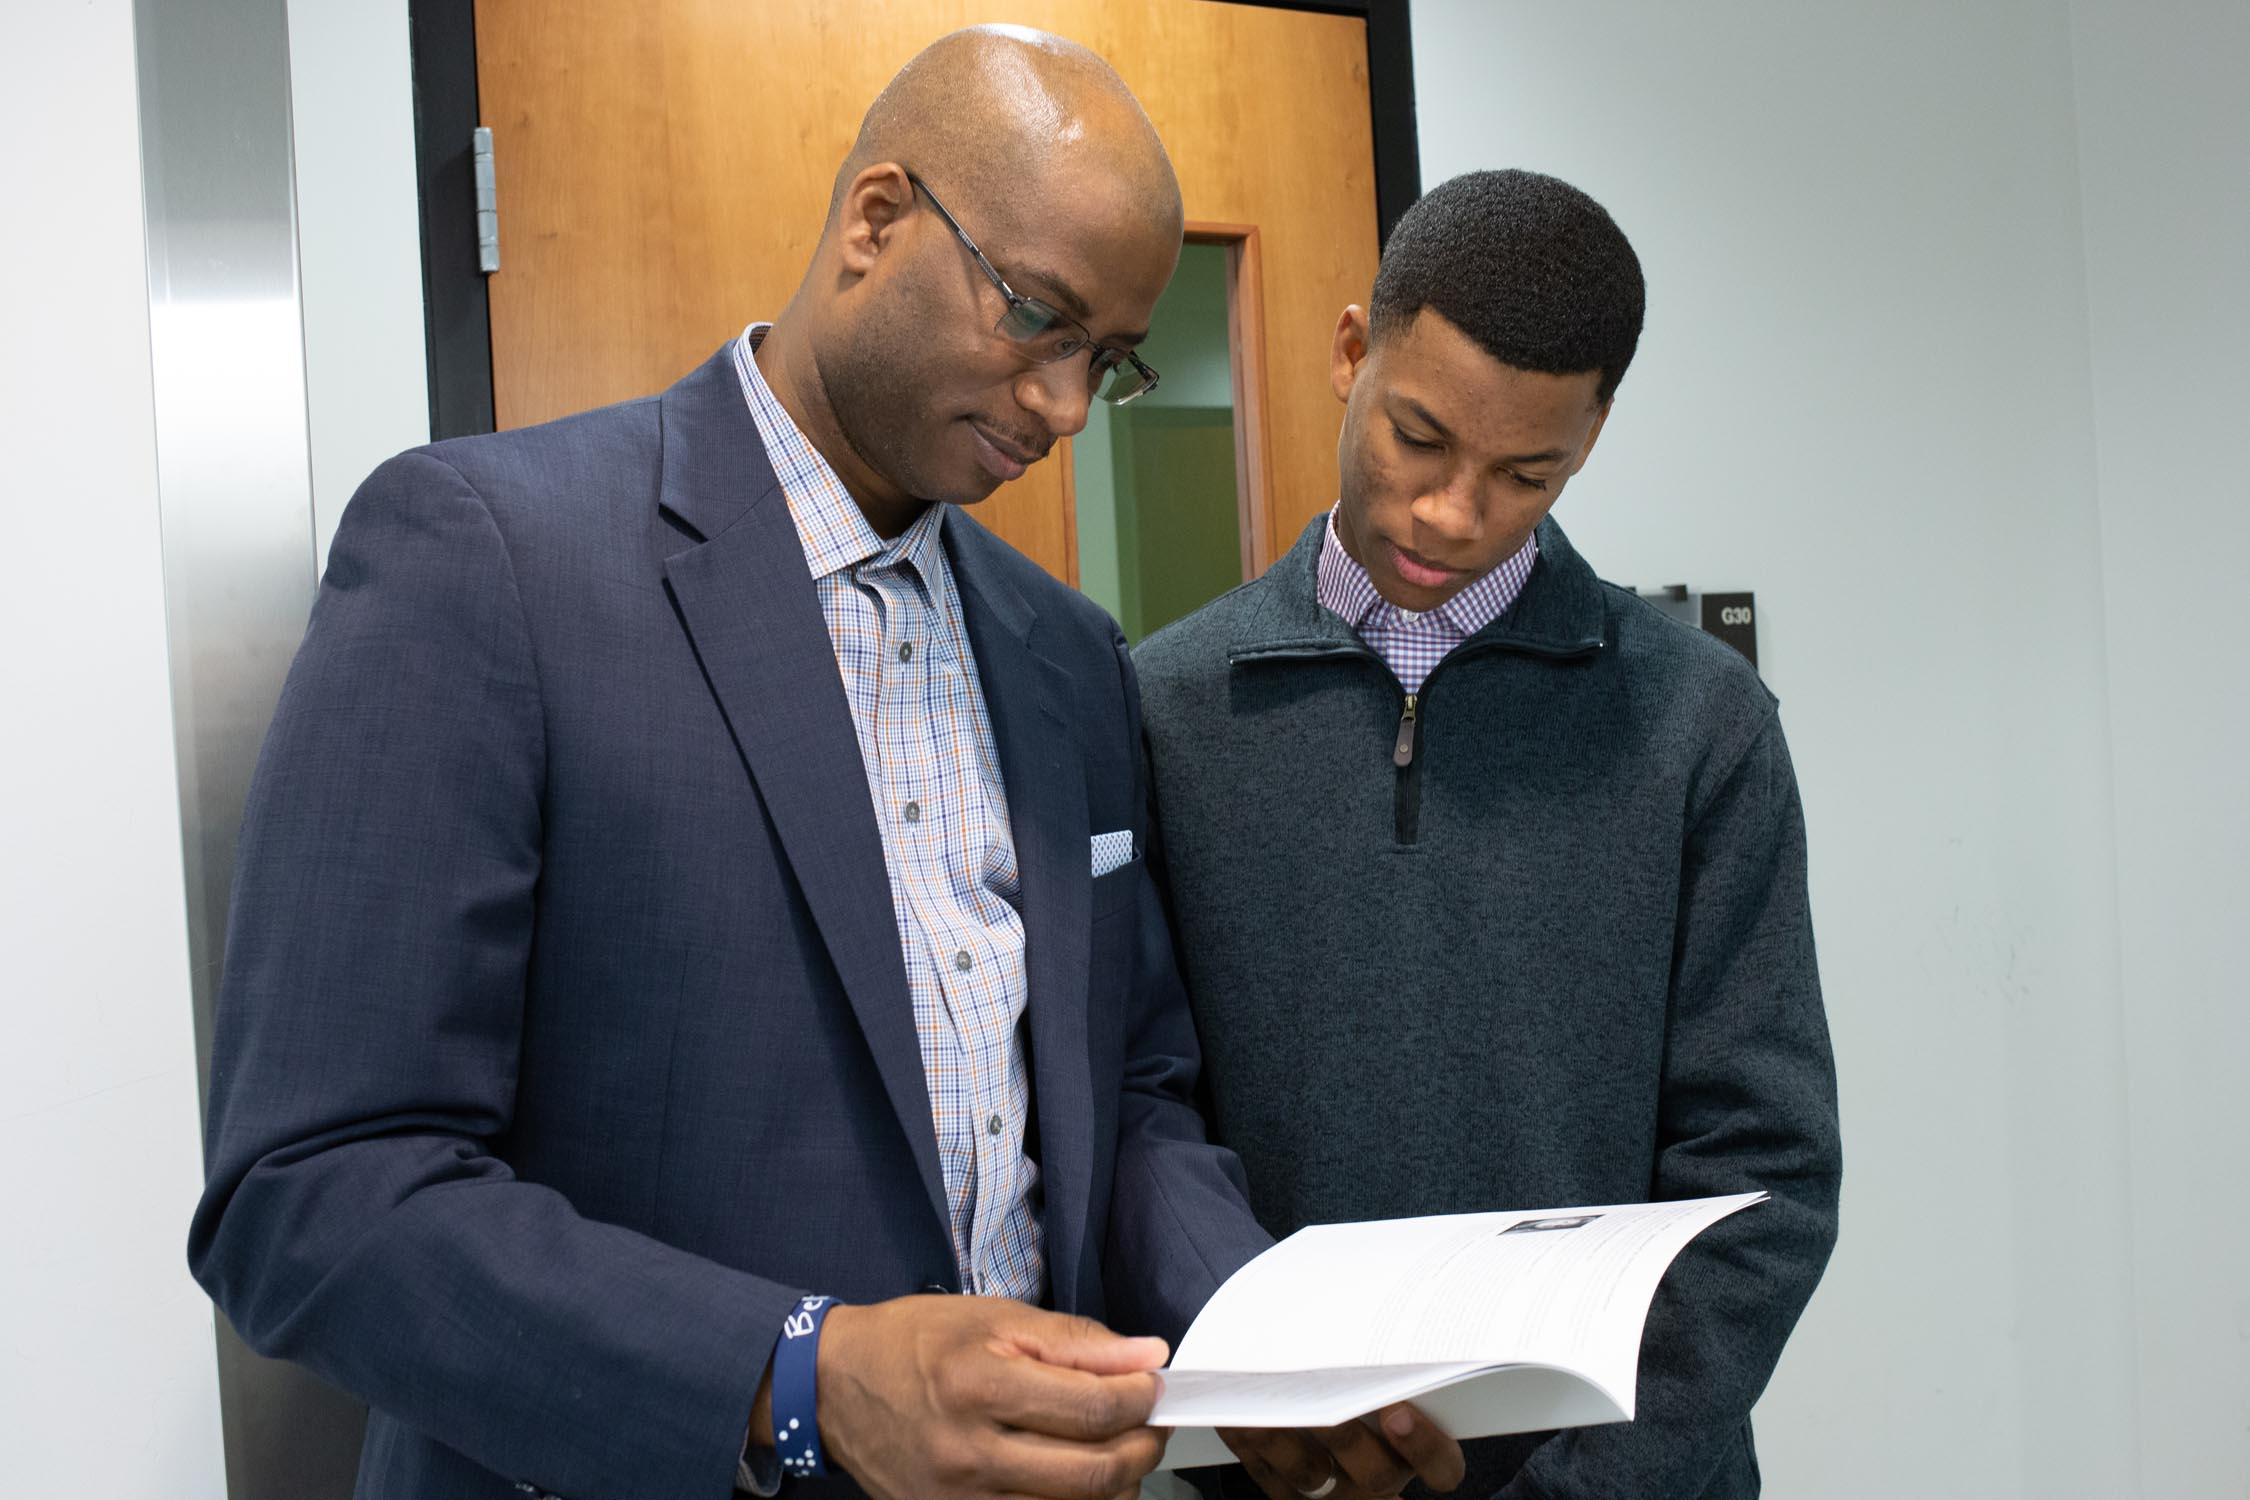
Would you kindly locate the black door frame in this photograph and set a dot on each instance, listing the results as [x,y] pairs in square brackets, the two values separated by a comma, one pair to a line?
[457,317]
[456,314]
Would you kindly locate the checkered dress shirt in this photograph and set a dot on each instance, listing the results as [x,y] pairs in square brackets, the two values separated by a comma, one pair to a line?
[1412,643]
[894,615]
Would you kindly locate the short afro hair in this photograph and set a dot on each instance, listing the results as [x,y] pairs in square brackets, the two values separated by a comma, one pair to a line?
[1528,266]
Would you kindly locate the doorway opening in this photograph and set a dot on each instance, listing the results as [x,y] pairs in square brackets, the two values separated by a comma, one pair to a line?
[1168,492]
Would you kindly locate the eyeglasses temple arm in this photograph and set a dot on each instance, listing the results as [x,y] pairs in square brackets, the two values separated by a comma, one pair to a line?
[966,243]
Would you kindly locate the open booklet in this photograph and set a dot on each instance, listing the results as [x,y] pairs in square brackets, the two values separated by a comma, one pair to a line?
[1507,1322]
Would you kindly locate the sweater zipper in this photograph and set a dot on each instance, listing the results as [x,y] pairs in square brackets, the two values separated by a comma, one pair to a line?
[1406,745]
[1406,793]
[1406,807]
[1406,814]
[1403,750]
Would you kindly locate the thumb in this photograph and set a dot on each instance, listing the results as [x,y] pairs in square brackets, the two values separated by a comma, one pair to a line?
[1083,1344]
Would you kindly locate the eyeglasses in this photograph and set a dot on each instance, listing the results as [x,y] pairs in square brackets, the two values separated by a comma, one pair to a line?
[1047,334]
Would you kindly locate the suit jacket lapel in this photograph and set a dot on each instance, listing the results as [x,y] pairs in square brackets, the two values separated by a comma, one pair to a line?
[1025,696]
[750,609]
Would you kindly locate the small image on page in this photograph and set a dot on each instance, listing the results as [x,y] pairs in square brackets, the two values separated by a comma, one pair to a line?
[1541,1226]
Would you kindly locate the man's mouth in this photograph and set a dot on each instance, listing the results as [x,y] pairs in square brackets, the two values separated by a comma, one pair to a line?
[1004,458]
[1420,571]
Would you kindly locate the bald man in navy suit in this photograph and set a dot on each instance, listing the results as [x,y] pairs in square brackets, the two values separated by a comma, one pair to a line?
[693,905]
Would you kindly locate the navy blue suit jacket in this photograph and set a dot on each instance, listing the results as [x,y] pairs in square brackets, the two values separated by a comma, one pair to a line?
[565,1039]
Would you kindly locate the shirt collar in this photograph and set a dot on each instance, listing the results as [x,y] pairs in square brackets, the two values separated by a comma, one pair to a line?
[831,527]
[1346,591]
[1344,588]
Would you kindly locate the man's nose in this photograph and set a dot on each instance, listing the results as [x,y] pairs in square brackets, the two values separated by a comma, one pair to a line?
[1452,509]
[1058,394]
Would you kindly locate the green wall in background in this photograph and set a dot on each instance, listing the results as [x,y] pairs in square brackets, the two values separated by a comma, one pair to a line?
[1158,526]
[1188,536]
[1094,477]
[1187,334]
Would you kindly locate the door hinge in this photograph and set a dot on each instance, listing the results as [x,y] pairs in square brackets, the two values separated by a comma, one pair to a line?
[488,213]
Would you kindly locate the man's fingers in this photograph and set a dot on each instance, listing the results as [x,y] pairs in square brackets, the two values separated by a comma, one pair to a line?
[1433,1455]
[1114,1355]
[1030,1463]
[1365,1459]
[1293,1462]
[1373,1456]
[1263,1476]
[1083,1344]
[1063,1403]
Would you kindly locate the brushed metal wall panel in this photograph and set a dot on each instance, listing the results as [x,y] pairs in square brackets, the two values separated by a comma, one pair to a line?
[234,487]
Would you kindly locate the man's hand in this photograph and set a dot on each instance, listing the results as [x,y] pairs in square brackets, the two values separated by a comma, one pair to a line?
[975,1396]
[1373,1456]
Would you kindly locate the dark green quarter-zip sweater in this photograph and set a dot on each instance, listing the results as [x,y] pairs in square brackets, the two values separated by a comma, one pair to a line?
[1539,940]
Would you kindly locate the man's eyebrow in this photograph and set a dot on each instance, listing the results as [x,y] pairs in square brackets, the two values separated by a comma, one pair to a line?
[1423,415]
[1057,289]
[1426,417]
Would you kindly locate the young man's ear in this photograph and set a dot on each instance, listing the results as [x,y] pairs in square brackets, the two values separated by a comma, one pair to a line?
[871,207]
[1348,352]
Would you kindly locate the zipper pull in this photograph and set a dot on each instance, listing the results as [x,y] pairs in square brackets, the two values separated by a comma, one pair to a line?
[1402,753]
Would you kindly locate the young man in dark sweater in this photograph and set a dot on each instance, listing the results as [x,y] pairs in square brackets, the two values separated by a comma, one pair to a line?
[1489,877]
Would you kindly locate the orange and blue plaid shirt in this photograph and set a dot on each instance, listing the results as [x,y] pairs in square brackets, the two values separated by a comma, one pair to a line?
[1413,642]
[933,771]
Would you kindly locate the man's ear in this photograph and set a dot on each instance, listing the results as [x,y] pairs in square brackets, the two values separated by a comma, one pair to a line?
[1348,352]
[869,212]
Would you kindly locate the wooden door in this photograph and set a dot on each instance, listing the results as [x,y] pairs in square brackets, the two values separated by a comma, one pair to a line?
[664,169]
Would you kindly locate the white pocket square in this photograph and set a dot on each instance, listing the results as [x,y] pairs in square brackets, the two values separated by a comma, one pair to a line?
[1112,850]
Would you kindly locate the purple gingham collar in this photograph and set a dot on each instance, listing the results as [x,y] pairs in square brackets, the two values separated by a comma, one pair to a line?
[1345,590]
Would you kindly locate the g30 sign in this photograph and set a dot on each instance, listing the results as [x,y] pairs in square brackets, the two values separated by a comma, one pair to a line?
[1733,618]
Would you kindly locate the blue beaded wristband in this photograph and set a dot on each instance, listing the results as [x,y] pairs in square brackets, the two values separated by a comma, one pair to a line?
[796,1419]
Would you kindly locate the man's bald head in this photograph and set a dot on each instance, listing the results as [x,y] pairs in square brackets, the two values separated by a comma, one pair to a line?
[894,354]
[994,115]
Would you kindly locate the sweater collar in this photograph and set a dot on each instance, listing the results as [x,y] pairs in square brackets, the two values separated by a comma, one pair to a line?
[1560,612]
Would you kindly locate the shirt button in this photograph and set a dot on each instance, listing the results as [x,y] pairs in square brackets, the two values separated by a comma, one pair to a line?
[963,962]
[912,812]
[1409,617]
[993,1126]
[906,651]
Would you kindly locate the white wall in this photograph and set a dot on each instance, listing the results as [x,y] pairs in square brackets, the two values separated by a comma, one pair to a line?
[358,243]
[2164,142]
[1945,332]
[1866,394]
[108,1381]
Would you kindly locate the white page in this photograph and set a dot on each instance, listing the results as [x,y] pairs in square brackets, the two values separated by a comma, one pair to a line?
[1568,1288]
[1487,1400]
[1292,1398]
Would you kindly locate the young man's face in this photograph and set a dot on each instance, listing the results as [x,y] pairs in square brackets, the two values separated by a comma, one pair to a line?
[1448,457]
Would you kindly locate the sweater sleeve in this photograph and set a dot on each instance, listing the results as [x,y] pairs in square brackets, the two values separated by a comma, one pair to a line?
[1748,1103]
